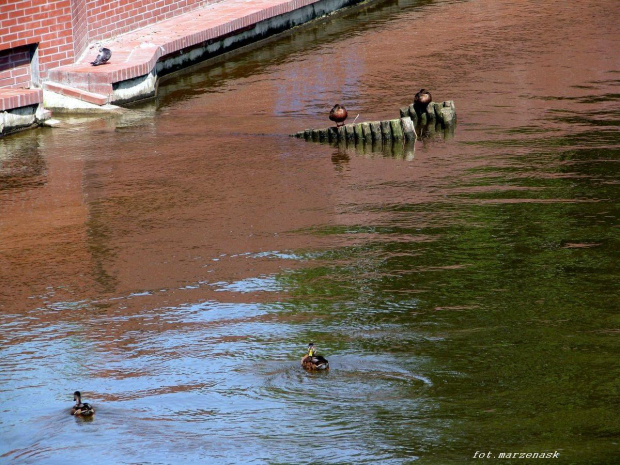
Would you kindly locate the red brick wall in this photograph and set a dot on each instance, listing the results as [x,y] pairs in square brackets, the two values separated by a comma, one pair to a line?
[48,22]
[80,26]
[15,67]
[108,18]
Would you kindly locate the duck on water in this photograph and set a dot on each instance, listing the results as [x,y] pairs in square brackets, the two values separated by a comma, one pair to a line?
[311,361]
[81,409]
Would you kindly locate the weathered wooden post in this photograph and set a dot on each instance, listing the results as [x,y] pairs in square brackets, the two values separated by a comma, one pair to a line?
[375,128]
[342,134]
[412,114]
[437,110]
[408,129]
[445,112]
[430,114]
[366,131]
[423,119]
[448,112]
[350,132]
[386,131]
[397,132]
[359,134]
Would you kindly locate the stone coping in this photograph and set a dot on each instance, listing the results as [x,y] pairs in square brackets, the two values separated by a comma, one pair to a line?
[135,53]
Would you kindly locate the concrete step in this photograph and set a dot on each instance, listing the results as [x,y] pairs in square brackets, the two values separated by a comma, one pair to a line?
[69,91]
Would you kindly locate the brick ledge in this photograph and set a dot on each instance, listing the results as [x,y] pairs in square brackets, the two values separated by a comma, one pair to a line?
[15,98]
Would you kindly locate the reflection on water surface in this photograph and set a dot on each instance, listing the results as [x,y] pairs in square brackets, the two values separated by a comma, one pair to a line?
[173,262]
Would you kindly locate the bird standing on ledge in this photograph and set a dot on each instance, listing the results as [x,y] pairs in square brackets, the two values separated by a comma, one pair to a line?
[80,408]
[312,361]
[338,114]
[421,101]
[103,57]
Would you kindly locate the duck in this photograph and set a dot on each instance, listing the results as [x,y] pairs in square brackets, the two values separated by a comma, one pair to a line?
[311,361]
[421,101]
[338,114]
[103,57]
[82,409]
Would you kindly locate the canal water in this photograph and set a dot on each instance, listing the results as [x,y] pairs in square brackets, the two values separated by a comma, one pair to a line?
[173,262]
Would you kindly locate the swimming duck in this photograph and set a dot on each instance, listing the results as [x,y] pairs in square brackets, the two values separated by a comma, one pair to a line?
[338,114]
[80,408]
[312,361]
[421,101]
[103,57]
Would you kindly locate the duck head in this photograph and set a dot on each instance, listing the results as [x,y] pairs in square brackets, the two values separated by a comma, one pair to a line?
[77,397]
[311,349]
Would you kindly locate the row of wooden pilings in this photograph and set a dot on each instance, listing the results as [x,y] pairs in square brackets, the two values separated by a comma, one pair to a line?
[440,112]
[403,128]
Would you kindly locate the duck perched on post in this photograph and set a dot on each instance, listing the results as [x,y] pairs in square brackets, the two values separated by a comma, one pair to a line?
[311,361]
[338,114]
[421,101]
[103,57]
[80,408]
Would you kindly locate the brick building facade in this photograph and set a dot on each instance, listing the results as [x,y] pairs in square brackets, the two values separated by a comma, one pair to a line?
[38,35]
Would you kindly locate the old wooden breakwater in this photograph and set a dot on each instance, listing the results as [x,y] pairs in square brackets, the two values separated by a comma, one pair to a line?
[403,128]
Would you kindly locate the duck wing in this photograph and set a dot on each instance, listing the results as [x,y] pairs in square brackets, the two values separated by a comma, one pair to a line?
[320,361]
[83,409]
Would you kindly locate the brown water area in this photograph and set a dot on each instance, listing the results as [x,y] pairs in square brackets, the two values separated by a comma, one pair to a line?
[172,262]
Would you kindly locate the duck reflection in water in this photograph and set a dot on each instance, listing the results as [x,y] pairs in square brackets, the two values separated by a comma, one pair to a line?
[340,159]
